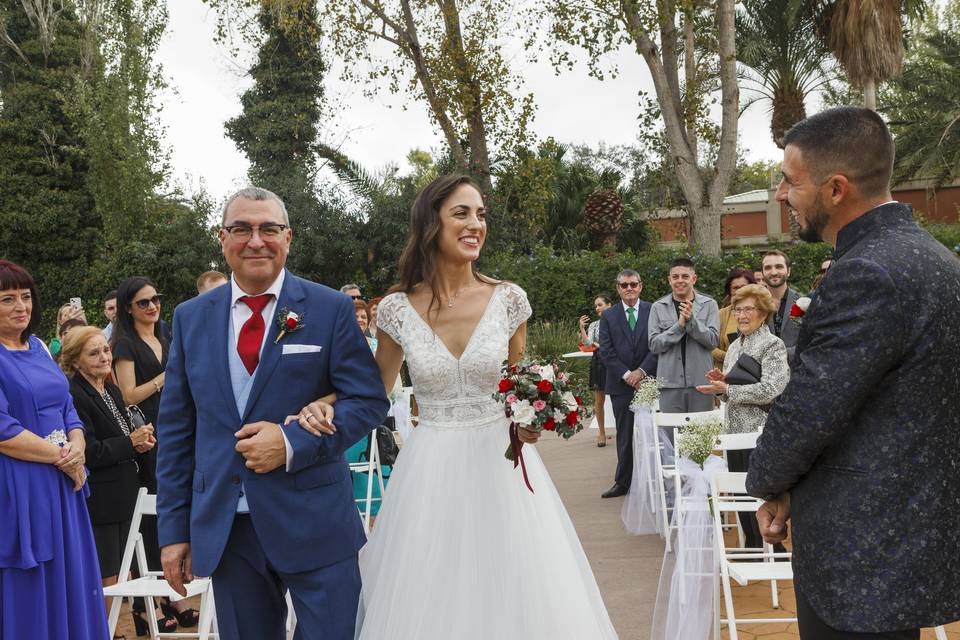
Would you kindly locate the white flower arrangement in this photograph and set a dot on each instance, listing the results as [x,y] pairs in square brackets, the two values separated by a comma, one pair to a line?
[698,440]
[648,394]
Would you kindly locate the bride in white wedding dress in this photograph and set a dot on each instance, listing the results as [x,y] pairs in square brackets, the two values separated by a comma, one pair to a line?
[461,549]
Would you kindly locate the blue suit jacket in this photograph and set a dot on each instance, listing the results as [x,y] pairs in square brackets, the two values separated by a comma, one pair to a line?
[305,518]
[624,350]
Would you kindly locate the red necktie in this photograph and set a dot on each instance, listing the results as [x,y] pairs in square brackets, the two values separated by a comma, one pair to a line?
[251,333]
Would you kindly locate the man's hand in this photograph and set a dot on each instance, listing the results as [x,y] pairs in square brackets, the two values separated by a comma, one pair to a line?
[262,445]
[528,436]
[634,378]
[686,312]
[772,517]
[177,566]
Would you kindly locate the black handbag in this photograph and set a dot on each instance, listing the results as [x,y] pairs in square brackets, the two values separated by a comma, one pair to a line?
[386,444]
[746,371]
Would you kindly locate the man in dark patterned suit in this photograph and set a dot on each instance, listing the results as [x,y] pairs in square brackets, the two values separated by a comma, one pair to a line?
[862,450]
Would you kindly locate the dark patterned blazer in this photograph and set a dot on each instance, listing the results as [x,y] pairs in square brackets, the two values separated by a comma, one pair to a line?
[866,436]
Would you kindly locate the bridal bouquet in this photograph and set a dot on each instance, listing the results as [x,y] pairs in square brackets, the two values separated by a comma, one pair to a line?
[540,396]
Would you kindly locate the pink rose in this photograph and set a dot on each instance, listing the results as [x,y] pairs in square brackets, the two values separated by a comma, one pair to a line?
[511,398]
[539,405]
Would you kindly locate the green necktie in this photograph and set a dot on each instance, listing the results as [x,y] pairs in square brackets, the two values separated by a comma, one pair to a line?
[632,318]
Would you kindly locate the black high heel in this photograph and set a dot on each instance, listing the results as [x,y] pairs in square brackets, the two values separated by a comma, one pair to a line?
[165,625]
[185,618]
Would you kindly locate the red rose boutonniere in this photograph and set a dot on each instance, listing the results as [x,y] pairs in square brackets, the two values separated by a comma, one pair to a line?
[288,322]
[799,309]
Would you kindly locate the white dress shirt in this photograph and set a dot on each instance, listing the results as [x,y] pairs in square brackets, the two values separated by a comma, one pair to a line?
[636,316]
[240,313]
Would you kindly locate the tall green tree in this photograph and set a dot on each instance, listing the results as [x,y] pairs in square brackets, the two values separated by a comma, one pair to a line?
[690,51]
[783,59]
[278,128]
[923,104]
[866,37]
[49,219]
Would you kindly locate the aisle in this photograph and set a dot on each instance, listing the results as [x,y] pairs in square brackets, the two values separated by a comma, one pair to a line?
[627,567]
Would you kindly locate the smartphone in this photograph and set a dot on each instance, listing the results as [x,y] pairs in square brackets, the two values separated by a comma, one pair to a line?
[76,303]
[586,311]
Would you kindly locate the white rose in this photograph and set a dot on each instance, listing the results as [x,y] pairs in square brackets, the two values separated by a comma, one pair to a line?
[570,400]
[547,373]
[803,303]
[523,412]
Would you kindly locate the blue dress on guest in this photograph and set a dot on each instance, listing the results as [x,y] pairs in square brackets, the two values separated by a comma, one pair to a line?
[49,576]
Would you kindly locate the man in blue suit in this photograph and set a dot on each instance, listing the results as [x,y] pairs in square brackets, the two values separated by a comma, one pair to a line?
[627,356]
[260,507]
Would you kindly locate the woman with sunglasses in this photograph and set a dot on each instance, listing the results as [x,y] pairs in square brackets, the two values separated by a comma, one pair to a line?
[139,359]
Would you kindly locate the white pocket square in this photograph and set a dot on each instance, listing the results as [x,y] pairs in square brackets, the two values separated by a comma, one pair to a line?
[301,348]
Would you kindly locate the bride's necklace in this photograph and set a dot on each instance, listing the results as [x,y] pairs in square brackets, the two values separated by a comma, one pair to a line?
[452,299]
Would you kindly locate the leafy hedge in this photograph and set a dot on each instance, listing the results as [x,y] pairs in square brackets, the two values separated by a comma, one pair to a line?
[560,286]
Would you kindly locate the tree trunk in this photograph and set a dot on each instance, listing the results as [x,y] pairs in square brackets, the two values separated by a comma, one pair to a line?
[870,94]
[704,228]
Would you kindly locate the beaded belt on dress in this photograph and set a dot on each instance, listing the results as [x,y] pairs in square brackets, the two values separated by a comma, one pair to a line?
[460,413]
[57,437]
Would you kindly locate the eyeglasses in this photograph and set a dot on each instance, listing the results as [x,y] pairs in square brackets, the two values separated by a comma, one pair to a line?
[146,302]
[741,310]
[356,297]
[268,231]
[628,285]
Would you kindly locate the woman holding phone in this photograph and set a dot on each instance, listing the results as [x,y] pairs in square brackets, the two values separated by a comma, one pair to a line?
[590,337]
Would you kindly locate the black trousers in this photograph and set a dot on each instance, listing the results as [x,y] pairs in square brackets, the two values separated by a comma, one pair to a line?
[739,460]
[624,416]
[813,628]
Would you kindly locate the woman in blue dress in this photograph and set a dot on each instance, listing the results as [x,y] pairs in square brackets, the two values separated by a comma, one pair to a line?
[49,574]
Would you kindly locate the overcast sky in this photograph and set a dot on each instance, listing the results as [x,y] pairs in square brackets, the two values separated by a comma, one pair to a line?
[206,83]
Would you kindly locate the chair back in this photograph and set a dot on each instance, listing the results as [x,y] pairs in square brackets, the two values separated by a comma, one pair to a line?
[738,441]
[683,419]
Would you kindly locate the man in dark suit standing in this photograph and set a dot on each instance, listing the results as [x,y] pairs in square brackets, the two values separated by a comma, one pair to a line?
[775,266]
[627,356]
[861,450]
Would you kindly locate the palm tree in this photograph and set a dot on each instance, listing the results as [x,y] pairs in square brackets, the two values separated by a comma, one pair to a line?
[781,59]
[866,37]
[923,107]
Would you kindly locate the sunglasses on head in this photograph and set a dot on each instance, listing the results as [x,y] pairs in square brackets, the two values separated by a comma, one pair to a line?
[146,302]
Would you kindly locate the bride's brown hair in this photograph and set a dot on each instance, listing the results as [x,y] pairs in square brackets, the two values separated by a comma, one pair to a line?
[418,262]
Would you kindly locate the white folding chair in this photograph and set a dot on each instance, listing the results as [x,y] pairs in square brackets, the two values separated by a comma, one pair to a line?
[151,585]
[729,495]
[737,442]
[371,467]
[666,468]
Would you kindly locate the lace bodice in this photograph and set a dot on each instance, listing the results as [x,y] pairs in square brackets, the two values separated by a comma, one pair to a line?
[456,393]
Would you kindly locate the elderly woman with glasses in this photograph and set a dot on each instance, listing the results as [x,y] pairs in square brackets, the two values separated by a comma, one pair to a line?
[748,404]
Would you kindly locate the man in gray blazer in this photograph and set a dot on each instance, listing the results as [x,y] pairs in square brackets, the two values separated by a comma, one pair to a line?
[684,328]
[862,450]
[775,266]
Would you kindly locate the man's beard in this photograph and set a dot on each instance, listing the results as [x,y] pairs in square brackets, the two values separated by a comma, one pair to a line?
[813,232]
[781,280]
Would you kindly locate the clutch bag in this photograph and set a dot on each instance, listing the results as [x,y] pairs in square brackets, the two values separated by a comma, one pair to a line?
[746,371]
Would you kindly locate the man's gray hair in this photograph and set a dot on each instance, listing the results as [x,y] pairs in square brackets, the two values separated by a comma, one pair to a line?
[347,287]
[257,194]
[628,273]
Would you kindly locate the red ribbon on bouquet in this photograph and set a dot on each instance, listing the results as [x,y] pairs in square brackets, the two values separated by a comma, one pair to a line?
[517,447]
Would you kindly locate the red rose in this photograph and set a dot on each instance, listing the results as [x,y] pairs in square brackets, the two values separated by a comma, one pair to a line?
[550,424]
[291,323]
[544,386]
[572,418]
[505,385]
[579,401]
[796,311]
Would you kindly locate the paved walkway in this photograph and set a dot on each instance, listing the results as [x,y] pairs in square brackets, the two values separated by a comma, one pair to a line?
[628,567]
